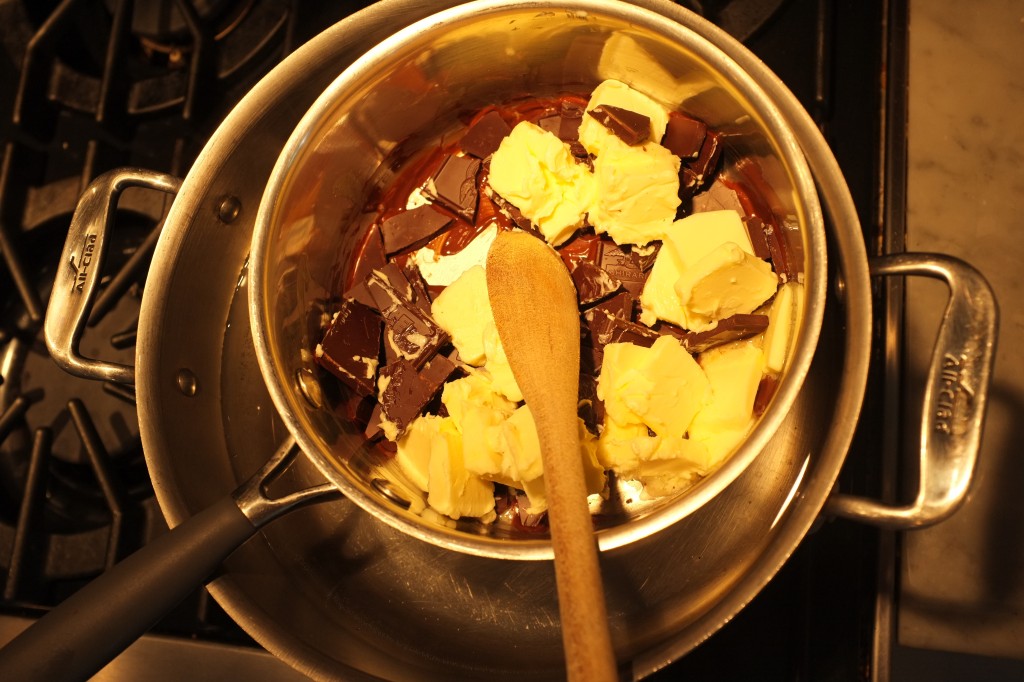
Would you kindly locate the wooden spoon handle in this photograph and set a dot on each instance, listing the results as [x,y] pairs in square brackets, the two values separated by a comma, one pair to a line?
[535,312]
[581,603]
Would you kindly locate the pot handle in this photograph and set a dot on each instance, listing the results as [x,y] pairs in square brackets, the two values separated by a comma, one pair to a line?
[74,286]
[91,627]
[955,395]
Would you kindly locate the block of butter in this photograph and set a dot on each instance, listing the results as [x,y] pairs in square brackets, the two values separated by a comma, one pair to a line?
[535,171]
[706,271]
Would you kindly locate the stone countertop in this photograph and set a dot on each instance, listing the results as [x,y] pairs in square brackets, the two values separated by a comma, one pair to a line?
[962,581]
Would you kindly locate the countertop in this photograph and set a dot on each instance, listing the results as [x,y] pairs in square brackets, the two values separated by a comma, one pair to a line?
[962,581]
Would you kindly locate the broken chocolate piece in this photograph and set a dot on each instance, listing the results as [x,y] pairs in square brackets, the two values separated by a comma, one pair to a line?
[389,286]
[758,233]
[718,197]
[644,257]
[697,172]
[684,135]
[787,252]
[590,408]
[413,228]
[617,330]
[765,392]
[404,391]
[593,283]
[420,294]
[410,332]
[619,305]
[565,125]
[371,257]
[454,186]
[629,126]
[350,349]
[484,136]
[729,329]
[621,265]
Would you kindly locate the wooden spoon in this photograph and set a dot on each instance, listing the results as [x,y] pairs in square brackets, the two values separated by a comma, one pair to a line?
[535,311]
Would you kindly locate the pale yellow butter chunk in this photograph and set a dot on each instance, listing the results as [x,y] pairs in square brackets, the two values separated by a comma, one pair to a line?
[695,236]
[727,281]
[734,371]
[497,365]
[452,489]
[593,471]
[535,172]
[475,409]
[463,310]
[692,251]
[674,465]
[595,137]
[662,387]
[637,192]
[413,454]
[783,319]
[521,450]
[620,447]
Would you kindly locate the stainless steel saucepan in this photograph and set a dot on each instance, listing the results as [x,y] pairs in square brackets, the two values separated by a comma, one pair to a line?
[248,263]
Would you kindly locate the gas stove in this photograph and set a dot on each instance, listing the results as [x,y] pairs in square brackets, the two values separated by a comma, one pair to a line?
[90,85]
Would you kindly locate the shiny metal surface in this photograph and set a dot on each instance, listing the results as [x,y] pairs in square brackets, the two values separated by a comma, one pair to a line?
[401,97]
[955,396]
[336,592]
[74,285]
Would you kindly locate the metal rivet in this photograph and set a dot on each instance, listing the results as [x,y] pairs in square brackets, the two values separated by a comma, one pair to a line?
[228,209]
[188,384]
[309,387]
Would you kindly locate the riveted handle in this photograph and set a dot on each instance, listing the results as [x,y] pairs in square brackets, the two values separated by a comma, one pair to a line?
[74,286]
[955,395]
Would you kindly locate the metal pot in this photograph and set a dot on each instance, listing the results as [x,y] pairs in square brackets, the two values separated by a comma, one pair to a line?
[337,592]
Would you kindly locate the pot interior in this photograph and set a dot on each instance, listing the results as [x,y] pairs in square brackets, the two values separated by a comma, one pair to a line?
[403,97]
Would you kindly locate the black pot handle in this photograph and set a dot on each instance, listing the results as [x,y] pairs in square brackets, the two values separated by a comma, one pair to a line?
[87,630]
[74,286]
[955,396]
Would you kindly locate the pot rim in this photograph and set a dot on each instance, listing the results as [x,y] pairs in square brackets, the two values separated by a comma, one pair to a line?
[285,395]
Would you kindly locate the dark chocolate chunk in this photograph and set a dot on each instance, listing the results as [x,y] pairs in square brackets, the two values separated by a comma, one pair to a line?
[388,285]
[645,260]
[696,173]
[718,197]
[758,233]
[484,136]
[593,283]
[413,228]
[372,429]
[597,318]
[629,126]
[619,305]
[730,329]
[351,347]
[565,125]
[684,135]
[410,332]
[765,392]
[359,292]
[621,265]
[420,294]
[371,257]
[617,330]
[454,186]
[405,391]
[590,408]
[786,250]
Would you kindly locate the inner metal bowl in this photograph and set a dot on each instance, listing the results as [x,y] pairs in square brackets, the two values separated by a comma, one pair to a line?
[407,92]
